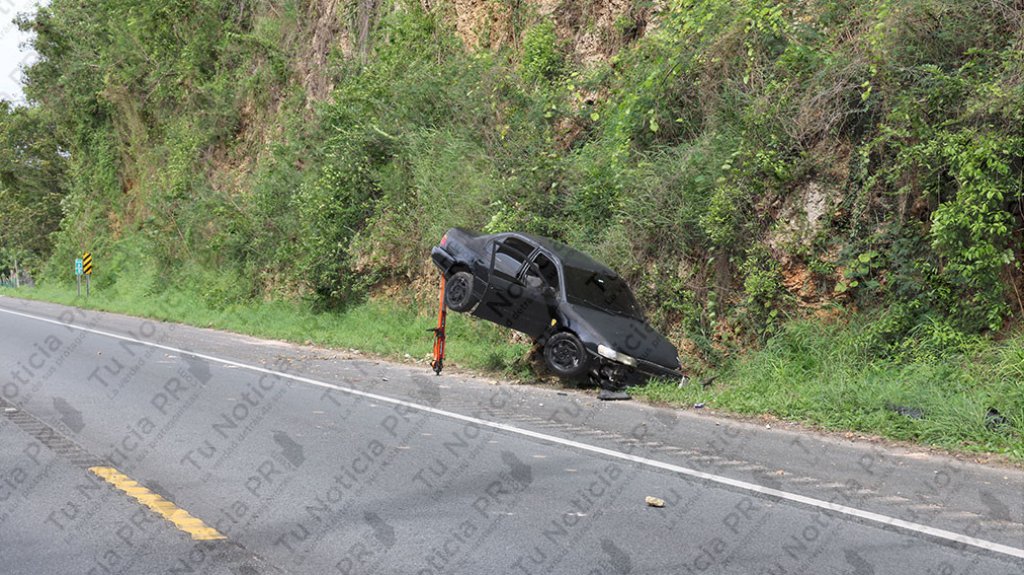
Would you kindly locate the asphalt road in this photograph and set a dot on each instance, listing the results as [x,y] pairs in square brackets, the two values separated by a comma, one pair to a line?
[133,446]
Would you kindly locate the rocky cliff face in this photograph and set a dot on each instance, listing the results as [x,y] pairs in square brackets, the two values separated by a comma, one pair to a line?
[591,30]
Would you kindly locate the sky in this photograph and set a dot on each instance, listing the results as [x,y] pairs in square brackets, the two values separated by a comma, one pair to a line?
[12,55]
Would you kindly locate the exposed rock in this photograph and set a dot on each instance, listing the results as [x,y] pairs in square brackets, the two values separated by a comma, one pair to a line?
[801,216]
[799,281]
[599,29]
[326,32]
[482,23]
[592,30]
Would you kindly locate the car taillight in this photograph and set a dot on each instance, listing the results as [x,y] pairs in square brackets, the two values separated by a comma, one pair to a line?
[444,240]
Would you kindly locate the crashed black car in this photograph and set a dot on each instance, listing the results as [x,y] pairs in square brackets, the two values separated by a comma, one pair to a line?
[581,313]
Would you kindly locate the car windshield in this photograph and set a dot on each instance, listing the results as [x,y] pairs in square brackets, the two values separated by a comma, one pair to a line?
[600,290]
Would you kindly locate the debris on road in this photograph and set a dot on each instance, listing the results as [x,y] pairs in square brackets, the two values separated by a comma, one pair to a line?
[607,395]
[654,501]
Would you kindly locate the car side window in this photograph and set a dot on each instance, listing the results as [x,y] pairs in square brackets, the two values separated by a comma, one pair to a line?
[542,273]
[510,256]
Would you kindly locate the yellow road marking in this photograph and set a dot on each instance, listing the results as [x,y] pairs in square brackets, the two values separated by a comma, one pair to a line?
[162,507]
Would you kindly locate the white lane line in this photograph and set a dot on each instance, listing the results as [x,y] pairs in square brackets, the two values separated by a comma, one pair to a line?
[735,483]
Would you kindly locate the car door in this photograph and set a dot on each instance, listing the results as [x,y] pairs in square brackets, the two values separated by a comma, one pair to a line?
[508,300]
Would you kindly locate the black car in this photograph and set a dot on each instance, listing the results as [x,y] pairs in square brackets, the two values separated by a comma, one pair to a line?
[581,312]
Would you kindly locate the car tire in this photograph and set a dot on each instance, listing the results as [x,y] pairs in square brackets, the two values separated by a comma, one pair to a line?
[565,355]
[458,292]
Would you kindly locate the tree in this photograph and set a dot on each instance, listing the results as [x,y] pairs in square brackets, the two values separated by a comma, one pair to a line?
[32,176]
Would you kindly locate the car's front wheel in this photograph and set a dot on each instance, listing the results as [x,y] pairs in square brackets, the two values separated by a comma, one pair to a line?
[565,355]
[458,292]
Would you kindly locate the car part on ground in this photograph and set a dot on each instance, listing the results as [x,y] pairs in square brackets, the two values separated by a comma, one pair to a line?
[579,311]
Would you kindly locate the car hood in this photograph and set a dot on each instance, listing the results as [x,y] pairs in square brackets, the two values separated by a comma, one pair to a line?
[623,334]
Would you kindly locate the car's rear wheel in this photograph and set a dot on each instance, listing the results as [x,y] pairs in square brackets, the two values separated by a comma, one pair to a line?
[458,292]
[565,355]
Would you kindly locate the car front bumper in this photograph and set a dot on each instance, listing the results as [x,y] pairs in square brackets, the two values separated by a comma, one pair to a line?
[655,370]
[628,375]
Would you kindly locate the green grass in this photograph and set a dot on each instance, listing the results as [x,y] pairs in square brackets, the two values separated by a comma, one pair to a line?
[818,374]
[381,327]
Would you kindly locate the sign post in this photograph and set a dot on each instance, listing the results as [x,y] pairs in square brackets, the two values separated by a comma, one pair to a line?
[87,270]
[78,274]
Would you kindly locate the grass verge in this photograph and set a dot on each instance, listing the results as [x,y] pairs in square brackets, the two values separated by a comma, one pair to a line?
[819,374]
[382,327]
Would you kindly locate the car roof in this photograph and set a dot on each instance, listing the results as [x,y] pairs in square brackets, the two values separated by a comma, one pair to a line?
[569,256]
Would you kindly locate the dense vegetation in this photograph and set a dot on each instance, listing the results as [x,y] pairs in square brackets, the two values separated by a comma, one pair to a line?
[746,164]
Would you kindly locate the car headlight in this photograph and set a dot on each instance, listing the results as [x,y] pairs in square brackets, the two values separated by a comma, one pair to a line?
[605,351]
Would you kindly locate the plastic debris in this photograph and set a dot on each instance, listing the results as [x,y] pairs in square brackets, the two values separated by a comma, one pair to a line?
[607,395]
[995,420]
[911,412]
